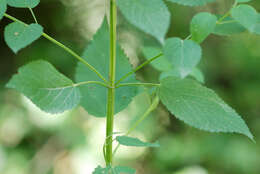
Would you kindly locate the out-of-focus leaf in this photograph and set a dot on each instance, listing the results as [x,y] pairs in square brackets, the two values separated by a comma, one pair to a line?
[129,141]
[3,8]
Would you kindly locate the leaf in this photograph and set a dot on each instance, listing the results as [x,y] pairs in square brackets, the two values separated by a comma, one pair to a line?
[100,170]
[151,16]
[200,107]
[241,1]
[48,89]
[198,75]
[245,15]
[129,141]
[161,64]
[228,26]
[95,96]
[192,2]
[125,170]
[3,8]
[184,55]
[202,25]
[23,3]
[256,28]
[18,36]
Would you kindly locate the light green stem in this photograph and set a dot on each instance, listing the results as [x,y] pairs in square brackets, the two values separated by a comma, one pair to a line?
[137,84]
[33,15]
[71,52]
[111,90]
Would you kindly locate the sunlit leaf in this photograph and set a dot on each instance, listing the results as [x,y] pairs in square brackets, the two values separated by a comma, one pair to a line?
[48,89]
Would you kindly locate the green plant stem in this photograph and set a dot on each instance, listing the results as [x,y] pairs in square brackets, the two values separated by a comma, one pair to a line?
[140,120]
[33,15]
[111,90]
[137,84]
[71,52]
[139,67]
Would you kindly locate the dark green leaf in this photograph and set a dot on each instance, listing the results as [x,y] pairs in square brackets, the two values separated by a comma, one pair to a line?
[3,8]
[192,2]
[23,3]
[18,36]
[129,141]
[151,16]
[48,89]
[228,26]
[184,55]
[200,107]
[161,64]
[202,25]
[94,97]
[246,15]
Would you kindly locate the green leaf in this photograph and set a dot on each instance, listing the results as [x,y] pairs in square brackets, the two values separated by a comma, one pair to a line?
[18,36]
[192,2]
[241,1]
[129,141]
[245,15]
[151,16]
[48,89]
[95,96]
[202,25]
[198,75]
[100,170]
[3,8]
[184,55]
[200,107]
[256,28]
[160,64]
[125,170]
[23,3]
[228,26]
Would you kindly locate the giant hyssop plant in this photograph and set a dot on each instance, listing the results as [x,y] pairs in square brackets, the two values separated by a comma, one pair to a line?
[105,82]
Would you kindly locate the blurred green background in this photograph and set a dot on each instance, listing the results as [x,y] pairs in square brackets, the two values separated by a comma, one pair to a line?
[32,142]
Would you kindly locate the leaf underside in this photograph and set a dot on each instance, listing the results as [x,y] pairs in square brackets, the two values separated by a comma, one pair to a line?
[95,96]
[48,89]
[200,107]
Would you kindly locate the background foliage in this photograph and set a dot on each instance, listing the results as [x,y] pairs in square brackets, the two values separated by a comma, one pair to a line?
[33,142]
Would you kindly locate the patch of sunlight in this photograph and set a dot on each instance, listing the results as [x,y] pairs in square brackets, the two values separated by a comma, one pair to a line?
[192,170]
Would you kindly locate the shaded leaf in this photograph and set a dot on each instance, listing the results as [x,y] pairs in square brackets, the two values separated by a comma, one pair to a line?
[48,89]
[184,55]
[95,96]
[228,26]
[23,3]
[151,16]
[241,1]
[246,15]
[192,2]
[161,64]
[129,141]
[3,8]
[18,36]
[200,107]
[202,25]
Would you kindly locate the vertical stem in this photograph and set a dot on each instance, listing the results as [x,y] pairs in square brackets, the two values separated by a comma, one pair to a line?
[111,90]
